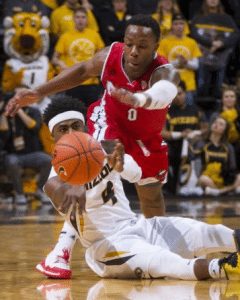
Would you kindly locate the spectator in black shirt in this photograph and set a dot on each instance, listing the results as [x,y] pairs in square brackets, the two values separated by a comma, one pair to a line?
[23,147]
[112,21]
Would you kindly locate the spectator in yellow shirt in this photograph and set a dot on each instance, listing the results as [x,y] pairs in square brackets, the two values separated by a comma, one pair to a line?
[165,10]
[75,46]
[62,18]
[183,52]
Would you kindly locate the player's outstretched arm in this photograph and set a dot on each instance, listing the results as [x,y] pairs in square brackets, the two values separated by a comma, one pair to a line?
[159,95]
[67,79]
[65,196]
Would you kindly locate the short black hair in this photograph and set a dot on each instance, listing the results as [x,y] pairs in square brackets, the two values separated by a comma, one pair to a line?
[61,103]
[182,85]
[81,9]
[145,21]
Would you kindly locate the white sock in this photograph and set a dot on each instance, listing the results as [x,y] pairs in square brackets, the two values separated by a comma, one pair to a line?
[214,269]
[67,238]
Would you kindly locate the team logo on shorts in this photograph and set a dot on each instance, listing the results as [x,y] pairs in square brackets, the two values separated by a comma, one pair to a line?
[161,176]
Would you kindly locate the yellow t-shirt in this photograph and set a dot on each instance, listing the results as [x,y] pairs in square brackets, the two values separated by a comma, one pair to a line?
[75,46]
[230,115]
[166,24]
[62,20]
[50,3]
[171,47]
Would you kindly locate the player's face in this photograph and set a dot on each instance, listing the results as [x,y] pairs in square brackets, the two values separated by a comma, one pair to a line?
[67,126]
[140,46]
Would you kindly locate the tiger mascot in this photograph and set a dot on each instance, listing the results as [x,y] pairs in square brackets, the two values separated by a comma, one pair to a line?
[26,42]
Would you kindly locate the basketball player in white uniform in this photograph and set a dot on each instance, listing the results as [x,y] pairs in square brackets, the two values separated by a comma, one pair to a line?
[119,243]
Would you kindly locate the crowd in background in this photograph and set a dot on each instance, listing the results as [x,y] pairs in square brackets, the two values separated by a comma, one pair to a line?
[200,38]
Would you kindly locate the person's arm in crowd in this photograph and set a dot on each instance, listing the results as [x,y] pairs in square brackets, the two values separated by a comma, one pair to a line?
[3,123]
[169,135]
[182,62]
[56,61]
[87,5]
[28,121]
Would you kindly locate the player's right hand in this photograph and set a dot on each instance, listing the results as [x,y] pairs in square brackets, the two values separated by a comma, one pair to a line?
[125,97]
[116,158]
[73,197]
[23,97]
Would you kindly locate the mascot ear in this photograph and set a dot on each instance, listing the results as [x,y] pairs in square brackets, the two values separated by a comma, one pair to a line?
[45,22]
[8,22]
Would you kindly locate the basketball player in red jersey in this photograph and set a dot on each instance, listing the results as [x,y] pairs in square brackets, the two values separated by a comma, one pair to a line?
[139,86]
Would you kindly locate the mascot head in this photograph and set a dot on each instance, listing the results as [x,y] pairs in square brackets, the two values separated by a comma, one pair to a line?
[26,36]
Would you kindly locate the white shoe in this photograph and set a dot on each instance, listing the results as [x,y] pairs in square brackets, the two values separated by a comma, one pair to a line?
[212,191]
[56,266]
[189,191]
[20,199]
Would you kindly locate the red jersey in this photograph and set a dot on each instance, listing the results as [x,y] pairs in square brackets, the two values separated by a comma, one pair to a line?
[139,123]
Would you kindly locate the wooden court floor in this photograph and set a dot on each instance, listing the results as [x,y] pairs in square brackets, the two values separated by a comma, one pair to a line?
[28,235]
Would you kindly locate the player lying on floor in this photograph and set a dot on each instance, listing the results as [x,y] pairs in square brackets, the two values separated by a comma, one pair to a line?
[119,243]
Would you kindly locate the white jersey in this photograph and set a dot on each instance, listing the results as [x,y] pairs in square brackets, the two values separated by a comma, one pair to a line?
[121,244]
[107,208]
[34,73]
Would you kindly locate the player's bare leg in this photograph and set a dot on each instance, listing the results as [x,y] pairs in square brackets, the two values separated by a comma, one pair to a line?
[151,199]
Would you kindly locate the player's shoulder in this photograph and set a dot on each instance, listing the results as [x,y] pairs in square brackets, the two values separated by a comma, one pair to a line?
[116,47]
[161,60]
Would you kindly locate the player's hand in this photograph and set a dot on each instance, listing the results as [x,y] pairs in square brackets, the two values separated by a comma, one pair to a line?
[116,158]
[75,197]
[23,97]
[125,97]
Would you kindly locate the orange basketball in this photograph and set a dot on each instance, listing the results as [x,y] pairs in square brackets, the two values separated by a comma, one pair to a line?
[77,158]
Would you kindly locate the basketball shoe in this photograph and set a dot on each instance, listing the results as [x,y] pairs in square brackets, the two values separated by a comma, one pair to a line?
[56,266]
[231,263]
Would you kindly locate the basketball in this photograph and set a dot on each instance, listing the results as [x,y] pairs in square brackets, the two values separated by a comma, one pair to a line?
[77,158]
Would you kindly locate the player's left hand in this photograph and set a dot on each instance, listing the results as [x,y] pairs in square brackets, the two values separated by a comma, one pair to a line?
[23,97]
[125,97]
[116,158]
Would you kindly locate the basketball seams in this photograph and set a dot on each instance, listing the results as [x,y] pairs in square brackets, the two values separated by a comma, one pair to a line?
[84,152]
[93,157]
